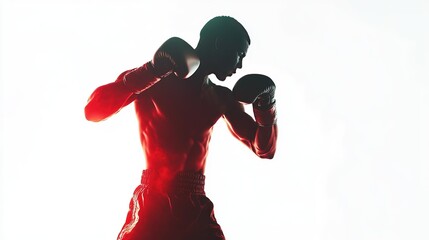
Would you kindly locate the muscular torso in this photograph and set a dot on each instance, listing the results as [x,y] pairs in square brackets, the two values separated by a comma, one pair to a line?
[176,118]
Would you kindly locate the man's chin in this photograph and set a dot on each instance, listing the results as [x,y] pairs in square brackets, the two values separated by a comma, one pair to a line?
[221,77]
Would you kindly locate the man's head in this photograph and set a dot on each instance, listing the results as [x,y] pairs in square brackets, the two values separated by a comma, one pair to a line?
[223,44]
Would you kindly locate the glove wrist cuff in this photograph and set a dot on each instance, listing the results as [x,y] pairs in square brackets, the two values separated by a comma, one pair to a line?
[163,66]
[266,116]
[264,102]
[141,78]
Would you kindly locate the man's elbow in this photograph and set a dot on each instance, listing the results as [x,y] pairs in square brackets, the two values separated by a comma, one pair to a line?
[91,115]
[267,155]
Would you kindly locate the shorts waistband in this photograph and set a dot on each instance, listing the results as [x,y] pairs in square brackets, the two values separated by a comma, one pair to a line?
[183,182]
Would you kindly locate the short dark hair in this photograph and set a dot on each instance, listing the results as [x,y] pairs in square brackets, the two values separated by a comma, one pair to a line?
[225,26]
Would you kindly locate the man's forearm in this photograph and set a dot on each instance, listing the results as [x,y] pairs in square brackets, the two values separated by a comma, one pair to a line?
[266,134]
[110,98]
[266,141]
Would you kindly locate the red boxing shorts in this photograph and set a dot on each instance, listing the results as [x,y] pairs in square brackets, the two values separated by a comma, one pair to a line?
[180,211]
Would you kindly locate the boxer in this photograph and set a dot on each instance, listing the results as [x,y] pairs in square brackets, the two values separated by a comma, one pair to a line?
[177,106]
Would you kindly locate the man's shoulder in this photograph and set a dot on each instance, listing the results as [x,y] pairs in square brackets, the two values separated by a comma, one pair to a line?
[220,90]
[224,97]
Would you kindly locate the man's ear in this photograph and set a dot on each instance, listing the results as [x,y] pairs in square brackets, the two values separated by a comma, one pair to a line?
[219,43]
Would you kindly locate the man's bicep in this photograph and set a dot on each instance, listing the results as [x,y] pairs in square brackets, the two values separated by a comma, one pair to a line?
[241,124]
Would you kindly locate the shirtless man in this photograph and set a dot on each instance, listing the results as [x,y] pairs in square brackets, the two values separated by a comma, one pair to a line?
[176,106]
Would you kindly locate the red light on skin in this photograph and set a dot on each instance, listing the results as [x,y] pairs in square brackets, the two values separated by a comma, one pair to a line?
[176,118]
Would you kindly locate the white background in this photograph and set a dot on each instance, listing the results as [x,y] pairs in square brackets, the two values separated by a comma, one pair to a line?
[353,94]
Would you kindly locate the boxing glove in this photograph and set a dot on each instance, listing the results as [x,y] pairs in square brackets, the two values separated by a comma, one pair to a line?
[258,89]
[177,56]
[173,56]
